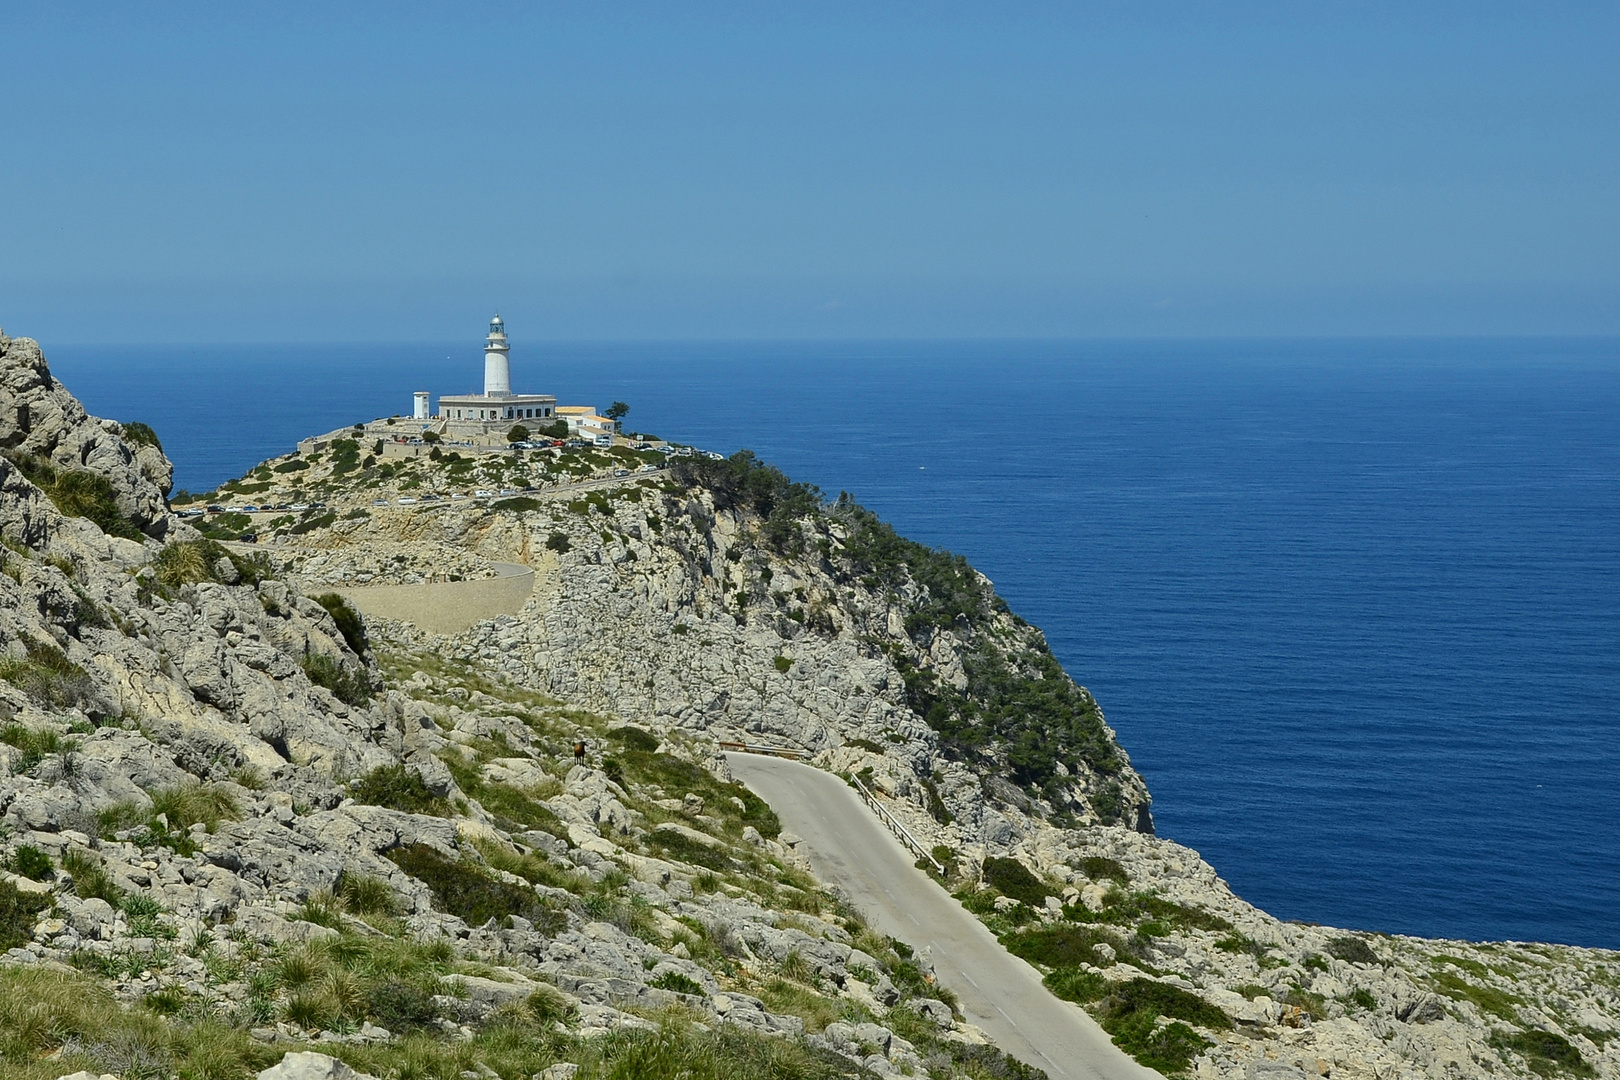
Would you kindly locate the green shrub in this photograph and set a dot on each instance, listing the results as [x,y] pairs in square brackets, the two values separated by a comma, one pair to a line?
[558,542]
[1362,998]
[1063,946]
[676,774]
[185,805]
[936,805]
[366,895]
[782,663]
[1012,878]
[399,1005]
[1131,1013]
[868,745]
[142,913]
[78,493]
[681,984]
[1162,915]
[295,465]
[138,434]
[48,676]
[349,622]
[399,787]
[1102,868]
[1352,950]
[348,685]
[19,911]
[1545,1052]
[519,504]
[30,862]
[34,744]
[634,738]
[687,850]
[90,877]
[1072,984]
[310,524]
[466,889]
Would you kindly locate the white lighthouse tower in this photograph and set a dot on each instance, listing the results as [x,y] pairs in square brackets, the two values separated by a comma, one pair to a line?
[494,411]
[497,373]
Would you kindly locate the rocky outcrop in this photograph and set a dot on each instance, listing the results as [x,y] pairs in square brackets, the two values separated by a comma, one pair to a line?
[210,800]
[220,798]
[39,417]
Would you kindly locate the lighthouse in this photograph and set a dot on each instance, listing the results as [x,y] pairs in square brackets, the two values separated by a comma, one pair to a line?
[497,373]
[497,407]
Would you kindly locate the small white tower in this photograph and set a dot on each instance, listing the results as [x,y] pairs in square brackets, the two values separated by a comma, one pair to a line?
[497,375]
[421,412]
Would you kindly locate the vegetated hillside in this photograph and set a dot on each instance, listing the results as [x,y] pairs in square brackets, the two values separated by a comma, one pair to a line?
[718,595]
[243,819]
[718,598]
[237,822]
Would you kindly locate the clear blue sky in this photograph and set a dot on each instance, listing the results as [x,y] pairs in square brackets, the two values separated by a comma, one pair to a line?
[239,172]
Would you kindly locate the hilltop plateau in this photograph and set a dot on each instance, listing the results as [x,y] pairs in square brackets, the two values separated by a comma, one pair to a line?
[242,817]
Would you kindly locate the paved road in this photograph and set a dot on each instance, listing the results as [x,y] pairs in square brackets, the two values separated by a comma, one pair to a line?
[999,992]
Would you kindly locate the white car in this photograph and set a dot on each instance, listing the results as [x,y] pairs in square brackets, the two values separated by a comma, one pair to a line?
[406,501]
[482,494]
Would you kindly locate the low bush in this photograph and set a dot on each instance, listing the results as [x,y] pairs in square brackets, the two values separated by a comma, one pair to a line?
[1012,878]
[34,745]
[78,493]
[1064,946]
[558,542]
[348,685]
[518,504]
[349,622]
[19,911]
[1102,868]
[399,787]
[466,889]
[1131,1013]
[1072,984]
[30,862]
[1352,950]
[686,850]
[1156,915]
[679,775]
[634,738]
[1545,1052]
[185,805]
[48,676]
[136,433]
[90,877]
[680,984]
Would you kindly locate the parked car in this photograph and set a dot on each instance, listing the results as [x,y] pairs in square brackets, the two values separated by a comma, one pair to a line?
[621,472]
[406,501]
[482,494]
[249,538]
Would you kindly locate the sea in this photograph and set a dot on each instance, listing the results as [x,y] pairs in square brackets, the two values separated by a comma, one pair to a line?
[1352,606]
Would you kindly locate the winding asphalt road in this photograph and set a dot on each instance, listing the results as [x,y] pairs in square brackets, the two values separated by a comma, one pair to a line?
[998,992]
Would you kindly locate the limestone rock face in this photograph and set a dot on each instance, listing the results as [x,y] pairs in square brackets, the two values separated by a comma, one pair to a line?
[39,416]
[310,1066]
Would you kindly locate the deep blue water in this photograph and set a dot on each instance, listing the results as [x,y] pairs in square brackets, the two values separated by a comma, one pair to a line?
[1353,607]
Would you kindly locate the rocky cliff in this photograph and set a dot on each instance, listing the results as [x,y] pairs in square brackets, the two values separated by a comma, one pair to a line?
[236,805]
